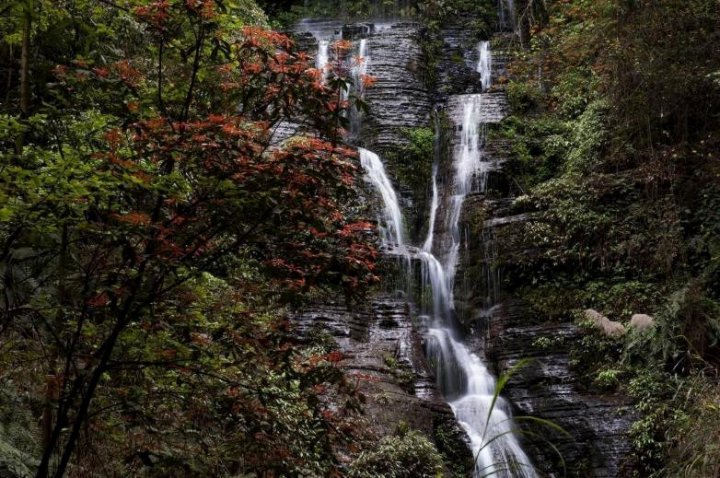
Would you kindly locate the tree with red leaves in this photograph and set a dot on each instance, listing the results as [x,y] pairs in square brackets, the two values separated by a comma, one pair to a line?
[154,165]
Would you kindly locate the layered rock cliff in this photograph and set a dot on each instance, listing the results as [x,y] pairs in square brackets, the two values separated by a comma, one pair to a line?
[385,343]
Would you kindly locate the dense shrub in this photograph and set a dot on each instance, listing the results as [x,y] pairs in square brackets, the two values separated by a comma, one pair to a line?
[409,455]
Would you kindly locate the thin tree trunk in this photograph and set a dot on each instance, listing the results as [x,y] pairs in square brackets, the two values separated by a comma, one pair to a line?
[11,65]
[523,22]
[24,75]
[52,381]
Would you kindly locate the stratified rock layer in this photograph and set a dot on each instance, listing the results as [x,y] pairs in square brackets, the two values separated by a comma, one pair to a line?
[382,349]
[547,388]
[399,99]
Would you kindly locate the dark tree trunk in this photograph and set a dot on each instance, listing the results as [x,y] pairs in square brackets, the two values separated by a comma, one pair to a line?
[24,76]
[523,14]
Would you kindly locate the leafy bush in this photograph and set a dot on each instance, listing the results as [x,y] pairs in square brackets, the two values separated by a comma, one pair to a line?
[694,454]
[523,97]
[410,455]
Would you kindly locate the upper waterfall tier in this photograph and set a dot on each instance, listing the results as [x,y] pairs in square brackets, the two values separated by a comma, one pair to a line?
[492,107]
[399,99]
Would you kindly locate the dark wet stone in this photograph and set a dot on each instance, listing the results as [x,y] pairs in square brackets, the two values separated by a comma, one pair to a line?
[547,388]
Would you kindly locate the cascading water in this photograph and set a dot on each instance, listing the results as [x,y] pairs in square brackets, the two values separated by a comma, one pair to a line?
[321,59]
[435,201]
[470,174]
[460,374]
[484,66]
[391,225]
[486,418]
[358,72]
[507,14]
[360,66]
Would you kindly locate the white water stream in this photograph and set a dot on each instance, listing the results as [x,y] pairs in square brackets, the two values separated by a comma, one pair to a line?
[358,70]
[391,224]
[507,14]
[322,58]
[484,66]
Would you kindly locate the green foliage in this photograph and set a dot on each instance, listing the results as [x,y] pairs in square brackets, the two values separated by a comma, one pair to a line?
[407,455]
[687,332]
[285,14]
[608,379]
[652,392]
[19,445]
[451,445]
[523,97]
[403,373]
[584,356]
[615,161]
[674,409]
[414,160]
[696,454]
[411,163]
[477,17]
[241,393]
[547,343]
[588,136]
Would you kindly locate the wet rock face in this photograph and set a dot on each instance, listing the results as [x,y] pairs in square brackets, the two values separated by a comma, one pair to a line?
[457,67]
[399,99]
[383,351]
[547,388]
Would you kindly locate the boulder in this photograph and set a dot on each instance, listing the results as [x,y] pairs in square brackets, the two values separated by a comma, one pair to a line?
[642,322]
[602,323]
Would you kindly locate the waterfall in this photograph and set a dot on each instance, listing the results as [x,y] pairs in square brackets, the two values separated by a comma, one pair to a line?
[427,245]
[435,201]
[488,425]
[321,59]
[461,376]
[470,173]
[360,66]
[391,225]
[358,71]
[507,14]
[433,275]
[484,66]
